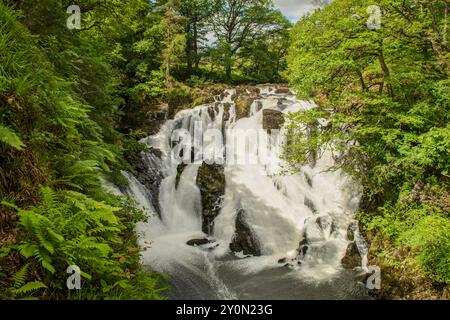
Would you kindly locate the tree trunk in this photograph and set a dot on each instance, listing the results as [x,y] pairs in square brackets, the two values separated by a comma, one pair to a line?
[189,49]
[228,70]
[195,48]
[386,72]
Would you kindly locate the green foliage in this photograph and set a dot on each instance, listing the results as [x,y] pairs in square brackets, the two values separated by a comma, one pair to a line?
[385,94]
[240,24]
[431,238]
[10,138]
[59,92]
[69,228]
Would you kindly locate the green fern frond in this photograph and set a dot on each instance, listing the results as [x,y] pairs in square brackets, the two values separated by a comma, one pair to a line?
[9,205]
[10,138]
[28,249]
[49,197]
[30,287]
[20,276]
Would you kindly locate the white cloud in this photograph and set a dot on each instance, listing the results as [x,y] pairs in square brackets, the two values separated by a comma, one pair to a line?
[294,9]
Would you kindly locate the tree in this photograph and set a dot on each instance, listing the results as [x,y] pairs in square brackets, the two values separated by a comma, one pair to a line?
[196,13]
[264,60]
[175,42]
[235,23]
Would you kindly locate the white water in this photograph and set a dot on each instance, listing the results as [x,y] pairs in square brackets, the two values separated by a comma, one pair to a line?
[274,206]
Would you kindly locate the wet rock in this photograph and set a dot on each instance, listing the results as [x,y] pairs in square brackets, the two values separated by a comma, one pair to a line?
[244,241]
[226,112]
[363,276]
[198,242]
[303,242]
[326,224]
[211,182]
[180,170]
[243,105]
[212,112]
[351,231]
[224,95]
[283,90]
[203,100]
[308,202]
[282,261]
[272,120]
[147,166]
[308,179]
[304,250]
[352,257]
[259,105]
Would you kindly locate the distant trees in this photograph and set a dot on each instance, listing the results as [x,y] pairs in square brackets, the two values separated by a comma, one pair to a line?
[227,27]
[196,13]
[239,23]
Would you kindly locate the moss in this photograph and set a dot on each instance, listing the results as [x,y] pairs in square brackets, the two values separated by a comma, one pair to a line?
[211,181]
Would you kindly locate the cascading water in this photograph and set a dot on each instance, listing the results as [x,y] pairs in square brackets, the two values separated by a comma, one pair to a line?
[294,225]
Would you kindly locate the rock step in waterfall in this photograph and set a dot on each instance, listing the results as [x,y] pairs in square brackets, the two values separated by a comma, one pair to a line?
[238,217]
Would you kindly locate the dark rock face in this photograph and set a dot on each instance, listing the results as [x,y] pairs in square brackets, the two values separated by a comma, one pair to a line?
[308,179]
[244,241]
[308,202]
[226,112]
[198,242]
[352,257]
[149,174]
[272,120]
[303,248]
[180,170]
[283,261]
[211,182]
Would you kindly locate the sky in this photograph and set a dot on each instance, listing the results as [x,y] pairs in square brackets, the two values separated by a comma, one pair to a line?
[294,9]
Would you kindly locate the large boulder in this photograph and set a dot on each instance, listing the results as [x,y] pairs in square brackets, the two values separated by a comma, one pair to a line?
[244,241]
[211,182]
[272,120]
[352,257]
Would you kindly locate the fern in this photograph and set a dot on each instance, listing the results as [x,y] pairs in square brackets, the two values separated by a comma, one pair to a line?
[10,138]
[30,287]
[20,276]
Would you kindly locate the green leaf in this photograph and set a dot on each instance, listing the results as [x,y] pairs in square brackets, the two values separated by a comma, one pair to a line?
[30,287]
[10,138]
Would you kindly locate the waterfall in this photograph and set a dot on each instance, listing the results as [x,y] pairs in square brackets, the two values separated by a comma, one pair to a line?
[297,224]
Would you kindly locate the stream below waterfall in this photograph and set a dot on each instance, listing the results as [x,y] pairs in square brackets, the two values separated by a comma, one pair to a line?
[264,234]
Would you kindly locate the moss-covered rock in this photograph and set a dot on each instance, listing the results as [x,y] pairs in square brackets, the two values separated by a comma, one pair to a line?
[243,105]
[211,182]
[272,120]
[352,257]
[283,90]
[244,240]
